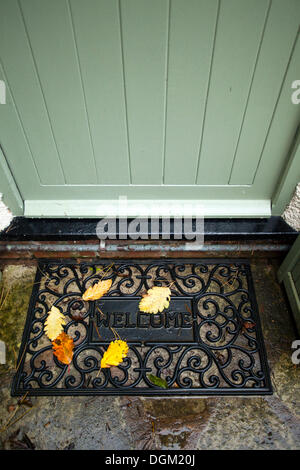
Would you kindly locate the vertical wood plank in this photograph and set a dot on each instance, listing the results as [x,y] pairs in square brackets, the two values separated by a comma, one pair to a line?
[278,142]
[51,36]
[289,179]
[192,28]
[238,35]
[15,145]
[277,44]
[20,71]
[145,38]
[97,31]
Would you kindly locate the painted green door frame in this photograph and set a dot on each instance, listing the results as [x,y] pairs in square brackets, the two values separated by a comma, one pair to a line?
[8,188]
[289,274]
[159,101]
[289,179]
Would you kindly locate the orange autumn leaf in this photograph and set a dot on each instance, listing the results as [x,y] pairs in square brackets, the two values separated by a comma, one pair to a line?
[114,354]
[63,347]
[96,291]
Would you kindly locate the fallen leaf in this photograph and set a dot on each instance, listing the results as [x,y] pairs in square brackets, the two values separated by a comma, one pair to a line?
[156,300]
[63,347]
[54,323]
[77,316]
[158,381]
[19,440]
[220,357]
[114,354]
[26,402]
[247,326]
[96,291]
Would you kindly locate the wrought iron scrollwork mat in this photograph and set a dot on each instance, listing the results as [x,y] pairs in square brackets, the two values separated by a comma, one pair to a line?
[207,342]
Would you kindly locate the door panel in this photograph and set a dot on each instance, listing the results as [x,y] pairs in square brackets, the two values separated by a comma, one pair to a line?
[144,42]
[191,23]
[51,37]
[273,60]
[238,35]
[161,100]
[97,24]
[26,111]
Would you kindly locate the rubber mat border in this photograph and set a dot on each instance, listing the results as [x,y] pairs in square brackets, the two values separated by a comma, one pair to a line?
[17,390]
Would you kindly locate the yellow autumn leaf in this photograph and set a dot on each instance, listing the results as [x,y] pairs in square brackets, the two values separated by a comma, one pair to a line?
[96,291]
[156,300]
[114,354]
[54,323]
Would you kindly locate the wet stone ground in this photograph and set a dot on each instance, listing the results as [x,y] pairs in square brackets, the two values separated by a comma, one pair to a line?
[269,422]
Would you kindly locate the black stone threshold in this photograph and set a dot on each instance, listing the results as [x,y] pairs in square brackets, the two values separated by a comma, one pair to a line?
[215,229]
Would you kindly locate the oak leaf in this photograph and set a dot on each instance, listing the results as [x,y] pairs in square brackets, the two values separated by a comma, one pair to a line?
[54,323]
[115,353]
[156,300]
[96,291]
[63,347]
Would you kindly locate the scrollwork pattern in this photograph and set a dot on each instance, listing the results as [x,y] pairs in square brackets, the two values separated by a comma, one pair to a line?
[225,357]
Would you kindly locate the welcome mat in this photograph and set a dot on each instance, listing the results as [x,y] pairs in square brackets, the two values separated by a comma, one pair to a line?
[207,342]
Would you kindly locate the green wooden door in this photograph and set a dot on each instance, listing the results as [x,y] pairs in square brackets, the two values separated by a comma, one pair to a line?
[161,100]
[289,274]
